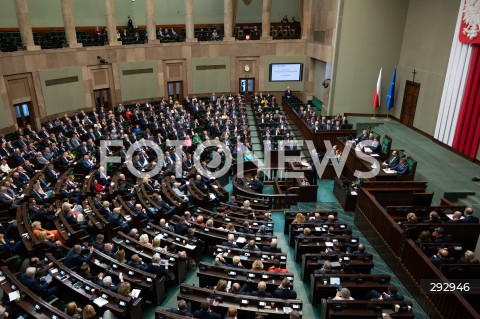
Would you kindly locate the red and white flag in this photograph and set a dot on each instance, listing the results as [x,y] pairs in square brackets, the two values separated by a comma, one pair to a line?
[376,95]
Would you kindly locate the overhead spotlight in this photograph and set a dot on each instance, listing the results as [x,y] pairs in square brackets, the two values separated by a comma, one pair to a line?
[101,60]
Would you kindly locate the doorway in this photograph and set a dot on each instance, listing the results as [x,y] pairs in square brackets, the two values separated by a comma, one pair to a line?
[102,98]
[23,114]
[409,105]
[175,90]
[246,88]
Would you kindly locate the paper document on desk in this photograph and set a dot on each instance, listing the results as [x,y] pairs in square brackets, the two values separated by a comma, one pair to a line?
[14,295]
[100,301]
[353,193]
[305,164]
[135,293]
[329,244]
[241,240]
[319,229]
[367,149]
[374,155]
[388,171]
[188,246]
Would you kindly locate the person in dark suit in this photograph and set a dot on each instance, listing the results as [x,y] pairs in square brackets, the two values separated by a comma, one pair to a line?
[307,232]
[440,236]
[401,168]
[288,93]
[205,312]
[376,147]
[182,227]
[115,221]
[74,257]
[37,285]
[257,185]
[283,291]
[391,294]
[181,309]
[441,258]
[231,242]
[469,218]
[433,218]
[155,267]
[362,137]
[201,185]
[326,269]
[261,291]
[272,248]
[392,161]
[456,218]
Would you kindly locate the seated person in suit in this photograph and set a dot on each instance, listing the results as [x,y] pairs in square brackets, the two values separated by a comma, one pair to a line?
[251,246]
[246,228]
[433,218]
[401,168]
[307,232]
[468,258]
[392,161]
[230,241]
[205,312]
[256,185]
[376,147]
[236,263]
[272,248]
[232,201]
[391,294]
[115,221]
[137,262]
[277,267]
[283,291]
[361,138]
[74,257]
[261,291]
[469,218]
[157,268]
[326,269]
[343,294]
[440,236]
[442,258]
[107,282]
[181,309]
[361,250]
[456,218]
[182,227]
[37,285]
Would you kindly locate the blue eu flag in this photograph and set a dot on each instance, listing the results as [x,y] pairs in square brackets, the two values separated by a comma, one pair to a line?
[391,92]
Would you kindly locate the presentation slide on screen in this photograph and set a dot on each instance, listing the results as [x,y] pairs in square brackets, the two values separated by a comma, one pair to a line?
[285,72]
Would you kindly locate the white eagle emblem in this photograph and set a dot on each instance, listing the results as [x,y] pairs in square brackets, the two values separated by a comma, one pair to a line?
[471,18]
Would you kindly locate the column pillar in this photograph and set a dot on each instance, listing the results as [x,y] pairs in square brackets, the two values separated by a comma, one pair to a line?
[266,19]
[69,24]
[24,25]
[227,20]
[111,24]
[151,27]
[189,21]
[307,19]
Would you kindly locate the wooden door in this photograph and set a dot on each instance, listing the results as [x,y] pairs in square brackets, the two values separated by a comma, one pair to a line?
[175,90]
[246,88]
[23,114]
[102,98]
[409,105]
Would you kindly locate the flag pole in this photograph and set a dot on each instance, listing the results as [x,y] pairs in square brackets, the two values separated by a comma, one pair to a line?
[388,114]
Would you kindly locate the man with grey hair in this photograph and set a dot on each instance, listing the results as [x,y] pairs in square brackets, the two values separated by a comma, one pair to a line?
[182,309]
[37,285]
[107,282]
[261,290]
[158,267]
